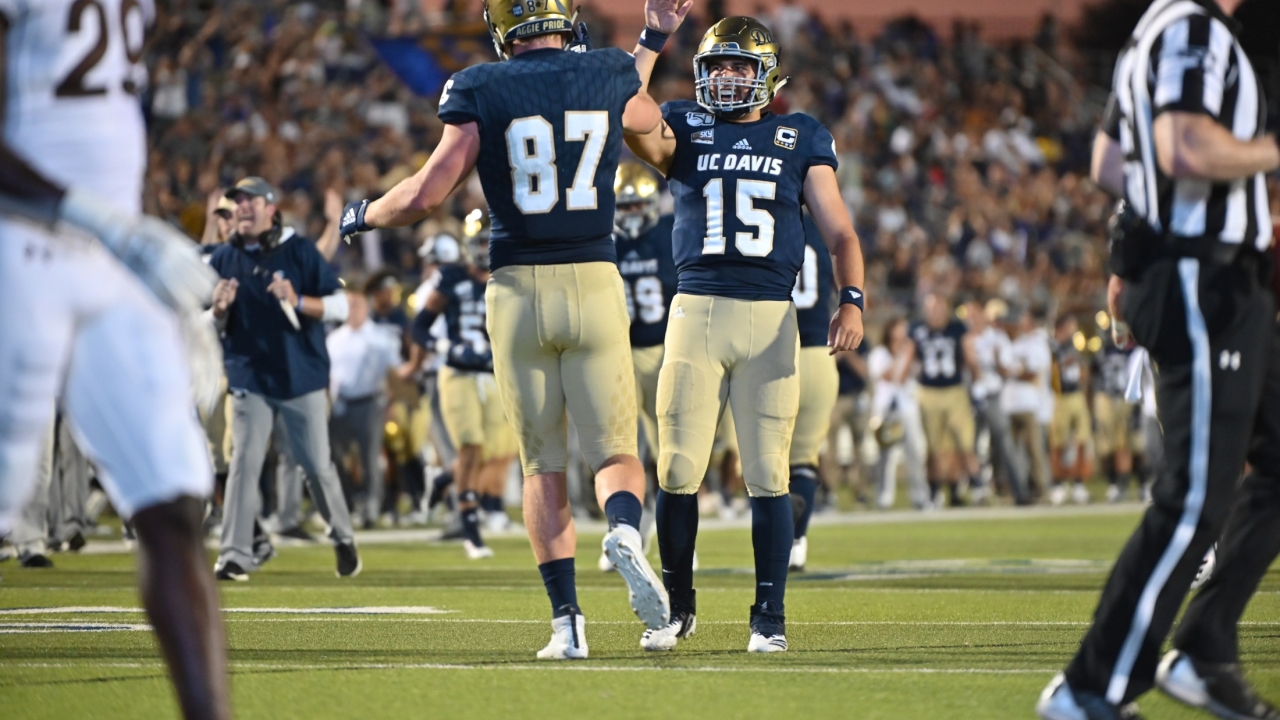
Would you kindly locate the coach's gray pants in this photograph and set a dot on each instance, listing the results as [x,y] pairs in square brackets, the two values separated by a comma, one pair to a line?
[289,479]
[306,424]
[359,422]
[996,421]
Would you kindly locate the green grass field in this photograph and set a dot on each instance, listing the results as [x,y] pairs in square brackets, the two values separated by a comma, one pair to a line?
[961,615]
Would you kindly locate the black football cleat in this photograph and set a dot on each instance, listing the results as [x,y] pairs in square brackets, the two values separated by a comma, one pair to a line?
[348,560]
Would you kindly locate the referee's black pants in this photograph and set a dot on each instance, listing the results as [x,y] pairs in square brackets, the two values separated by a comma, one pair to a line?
[1249,542]
[1206,328]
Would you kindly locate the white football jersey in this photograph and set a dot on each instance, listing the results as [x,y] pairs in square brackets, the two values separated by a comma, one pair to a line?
[74,78]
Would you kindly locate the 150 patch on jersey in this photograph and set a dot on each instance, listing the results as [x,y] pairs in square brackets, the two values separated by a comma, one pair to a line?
[697,119]
[704,137]
[785,138]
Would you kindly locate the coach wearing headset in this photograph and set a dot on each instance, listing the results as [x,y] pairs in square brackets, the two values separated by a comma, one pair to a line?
[271,305]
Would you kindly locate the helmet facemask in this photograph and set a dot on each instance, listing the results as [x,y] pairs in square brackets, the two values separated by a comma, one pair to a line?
[727,94]
[634,219]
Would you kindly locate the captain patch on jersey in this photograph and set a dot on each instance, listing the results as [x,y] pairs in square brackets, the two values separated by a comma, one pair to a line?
[738,190]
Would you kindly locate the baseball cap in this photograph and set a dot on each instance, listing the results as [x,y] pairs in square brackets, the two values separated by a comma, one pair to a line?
[225,206]
[255,187]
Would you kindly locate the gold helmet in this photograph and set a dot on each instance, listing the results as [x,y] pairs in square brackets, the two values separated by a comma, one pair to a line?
[636,189]
[510,20]
[742,37]
[475,228]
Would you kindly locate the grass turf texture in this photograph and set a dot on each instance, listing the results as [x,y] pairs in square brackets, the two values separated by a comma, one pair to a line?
[933,618]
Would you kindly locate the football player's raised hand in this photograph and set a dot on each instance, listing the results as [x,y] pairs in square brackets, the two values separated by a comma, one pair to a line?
[846,329]
[666,15]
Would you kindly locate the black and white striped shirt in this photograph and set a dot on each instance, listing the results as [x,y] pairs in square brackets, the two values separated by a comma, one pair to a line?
[1184,57]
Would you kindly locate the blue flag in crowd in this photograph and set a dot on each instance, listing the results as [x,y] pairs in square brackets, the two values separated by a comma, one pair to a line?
[413,64]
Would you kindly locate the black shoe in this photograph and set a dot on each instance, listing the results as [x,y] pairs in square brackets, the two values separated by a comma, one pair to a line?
[231,571]
[263,551]
[77,542]
[35,560]
[297,532]
[1220,688]
[348,560]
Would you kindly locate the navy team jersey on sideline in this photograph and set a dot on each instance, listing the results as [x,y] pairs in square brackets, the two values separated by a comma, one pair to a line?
[940,354]
[1070,367]
[814,291]
[464,318]
[649,276]
[738,190]
[1112,368]
[550,136]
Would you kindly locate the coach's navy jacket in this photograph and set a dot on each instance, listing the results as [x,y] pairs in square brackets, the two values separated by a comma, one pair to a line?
[264,354]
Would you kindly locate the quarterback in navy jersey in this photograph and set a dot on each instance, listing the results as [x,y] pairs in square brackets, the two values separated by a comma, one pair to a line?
[739,176]
[544,130]
[814,296]
[944,348]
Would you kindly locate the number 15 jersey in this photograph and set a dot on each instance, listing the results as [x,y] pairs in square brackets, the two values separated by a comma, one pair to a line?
[550,136]
[738,190]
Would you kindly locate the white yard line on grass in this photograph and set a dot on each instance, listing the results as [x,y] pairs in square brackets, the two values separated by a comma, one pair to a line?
[586,666]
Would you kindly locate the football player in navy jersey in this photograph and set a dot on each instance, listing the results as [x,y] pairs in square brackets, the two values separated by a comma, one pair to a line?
[819,383]
[643,238]
[739,175]
[1116,437]
[944,348]
[469,402]
[1070,430]
[544,129]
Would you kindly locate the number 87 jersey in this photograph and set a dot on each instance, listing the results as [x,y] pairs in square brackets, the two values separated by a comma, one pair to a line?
[738,190]
[550,135]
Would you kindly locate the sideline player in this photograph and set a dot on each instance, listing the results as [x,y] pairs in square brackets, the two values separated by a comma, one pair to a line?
[469,402]
[1117,439]
[819,383]
[944,347]
[78,325]
[739,176]
[642,236]
[544,127]
[1069,433]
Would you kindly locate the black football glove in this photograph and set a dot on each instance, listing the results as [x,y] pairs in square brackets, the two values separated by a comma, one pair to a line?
[353,220]
[581,41]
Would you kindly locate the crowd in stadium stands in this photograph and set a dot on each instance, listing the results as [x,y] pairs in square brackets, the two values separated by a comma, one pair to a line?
[963,163]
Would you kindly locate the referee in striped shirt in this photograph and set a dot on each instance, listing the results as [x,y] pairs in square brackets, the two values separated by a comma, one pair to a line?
[1185,143]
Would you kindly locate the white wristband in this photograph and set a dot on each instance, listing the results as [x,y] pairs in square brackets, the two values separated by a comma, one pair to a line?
[91,213]
[335,307]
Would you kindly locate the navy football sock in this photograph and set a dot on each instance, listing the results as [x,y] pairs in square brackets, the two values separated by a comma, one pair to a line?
[561,582]
[772,531]
[438,488]
[490,503]
[804,489]
[677,519]
[623,508]
[470,518]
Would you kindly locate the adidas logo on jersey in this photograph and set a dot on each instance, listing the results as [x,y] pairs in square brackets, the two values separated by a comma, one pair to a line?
[742,145]
[678,312]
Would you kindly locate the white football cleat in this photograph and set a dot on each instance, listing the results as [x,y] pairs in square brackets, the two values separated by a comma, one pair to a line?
[799,553]
[604,564]
[568,639]
[1058,495]
[1059,702]
[1080,494]
[477,552]
[497,522]
[682,625]
[695,561]
[1207,565]
[767,643]
[622,547]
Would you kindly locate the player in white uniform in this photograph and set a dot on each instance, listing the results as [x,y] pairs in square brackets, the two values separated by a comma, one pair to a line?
[85,321]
